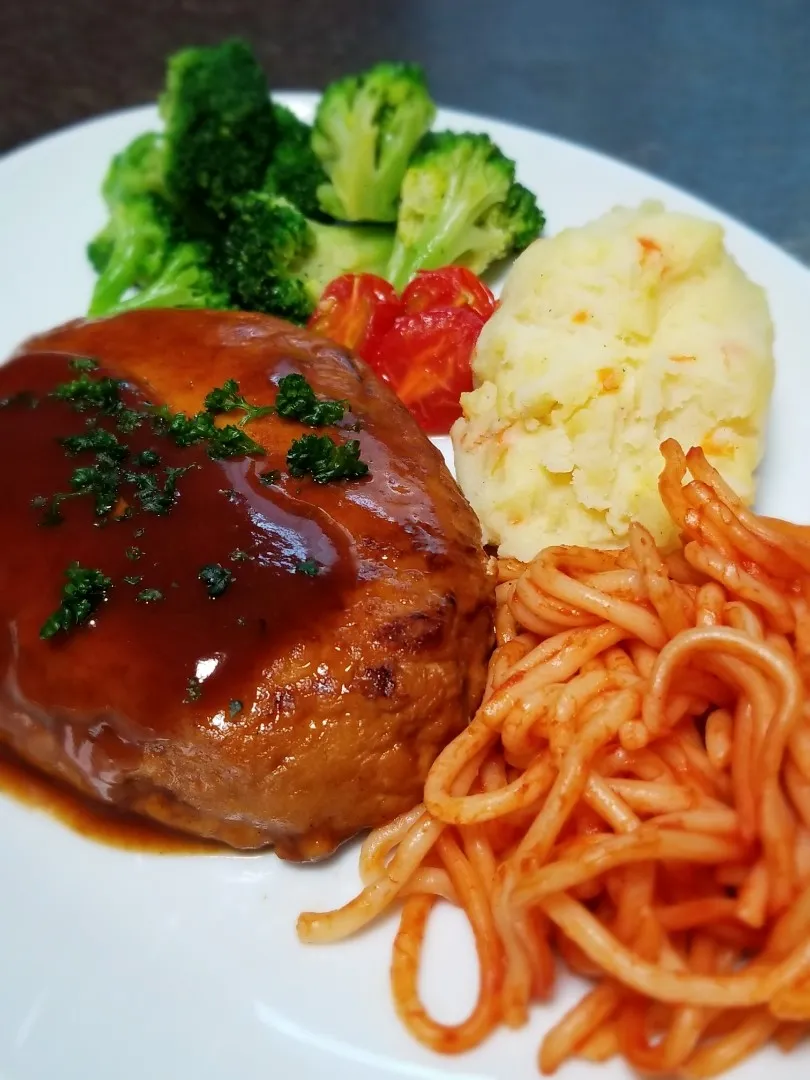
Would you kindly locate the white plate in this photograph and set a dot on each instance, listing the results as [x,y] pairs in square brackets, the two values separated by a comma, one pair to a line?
[128,966]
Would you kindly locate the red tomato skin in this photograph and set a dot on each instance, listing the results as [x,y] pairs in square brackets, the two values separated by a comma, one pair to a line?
[449,287]
[426,358]
[355,310]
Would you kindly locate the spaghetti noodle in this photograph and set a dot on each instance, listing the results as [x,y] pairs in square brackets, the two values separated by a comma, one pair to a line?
[633,795]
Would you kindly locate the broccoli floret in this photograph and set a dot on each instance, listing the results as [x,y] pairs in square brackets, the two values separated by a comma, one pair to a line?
[188,279]
[346,249]
[460,204]
[220,131]
[266,242]
[133,247]
[279,262]
[129,250]
[138,169]
[365,131]
[295,172]
[100,248]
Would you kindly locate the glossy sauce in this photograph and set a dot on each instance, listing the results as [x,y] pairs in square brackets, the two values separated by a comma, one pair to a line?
[142,671]
[101,822]
[322,700]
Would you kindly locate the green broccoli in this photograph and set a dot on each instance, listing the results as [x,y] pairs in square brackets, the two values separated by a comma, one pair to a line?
[133,246]
[138,169]
[277,261]
[366,128]
[220,131]
[101,247]
[460,204]
[266,242]
[189,279]
[346,249]
[295,172]
[130,249]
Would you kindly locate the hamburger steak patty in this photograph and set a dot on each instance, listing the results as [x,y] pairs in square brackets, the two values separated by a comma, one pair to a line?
[307,700]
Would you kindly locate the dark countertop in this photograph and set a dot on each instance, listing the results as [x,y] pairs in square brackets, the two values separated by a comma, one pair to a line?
[711,94]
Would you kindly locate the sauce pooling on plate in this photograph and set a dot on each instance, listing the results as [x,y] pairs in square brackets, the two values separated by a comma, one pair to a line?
[102,822]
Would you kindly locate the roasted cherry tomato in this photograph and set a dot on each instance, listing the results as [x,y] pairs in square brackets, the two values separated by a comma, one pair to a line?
[355,310]
[425,357]
[450,287]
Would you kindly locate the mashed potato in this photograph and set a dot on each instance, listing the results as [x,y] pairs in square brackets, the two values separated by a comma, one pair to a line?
[610,338]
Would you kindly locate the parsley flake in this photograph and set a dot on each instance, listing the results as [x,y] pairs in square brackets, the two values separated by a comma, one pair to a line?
[84,393]
[223,442]
[147,459]
[83,593]
[193,690]
[216,579]
[83,363]
[230,441]
[226,398]
[101,481]
[297,400]
[324,460]
[270,476]
[237,555]
[127,420]
[154,497]
[234,708]
[149,596]
[133,579]
[133,553]
[308,567]
[95,441]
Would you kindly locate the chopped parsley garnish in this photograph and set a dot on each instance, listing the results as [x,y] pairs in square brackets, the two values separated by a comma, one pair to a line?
[297,400]
[230,441]
[147,459]
[181,429]
[193,690]
[133,579]
[223,442]
[270,476]
[154,497]
[234,708]
[133,553]
[82,594]
[84,393]
[149,596]
[95,441]
[83,363]
[308,567]
[241,621]
[127,420]
[216,579]
[101,481]
[324,460]
[226,398]
[139,533]
[237,555]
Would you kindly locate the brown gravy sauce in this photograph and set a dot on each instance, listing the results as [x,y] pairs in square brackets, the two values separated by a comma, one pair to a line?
[102,822]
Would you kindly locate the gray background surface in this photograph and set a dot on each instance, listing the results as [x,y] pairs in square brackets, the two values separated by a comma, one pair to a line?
[711,94]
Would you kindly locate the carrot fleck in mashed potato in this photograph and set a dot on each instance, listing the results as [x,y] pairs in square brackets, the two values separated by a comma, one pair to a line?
[610,338]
